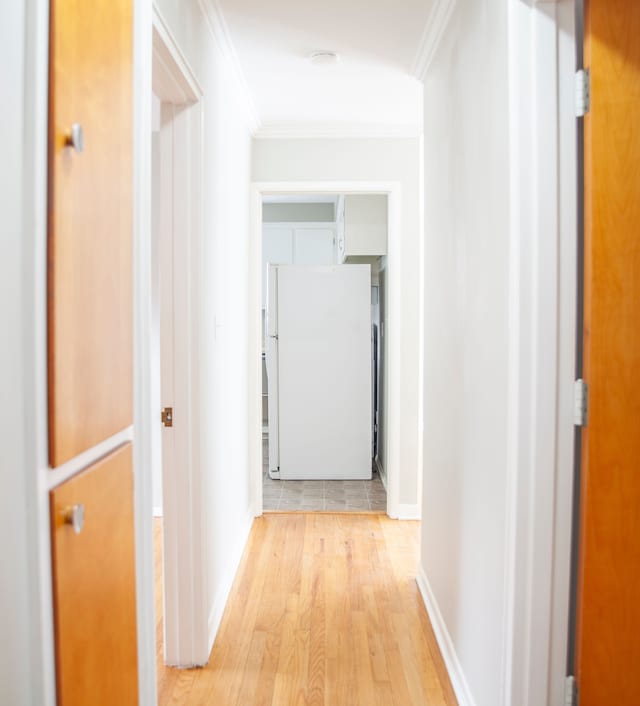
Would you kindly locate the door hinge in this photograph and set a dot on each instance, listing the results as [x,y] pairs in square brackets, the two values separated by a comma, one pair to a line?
[570,692]
[581,403]
[583,92]
[167,416]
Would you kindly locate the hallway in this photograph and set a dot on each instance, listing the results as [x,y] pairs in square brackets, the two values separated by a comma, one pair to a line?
[324,610]
[506,314]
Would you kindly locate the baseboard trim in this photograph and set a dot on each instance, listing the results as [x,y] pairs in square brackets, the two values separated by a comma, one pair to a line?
[408,511]
[381,472]
[454,668]
[220,603]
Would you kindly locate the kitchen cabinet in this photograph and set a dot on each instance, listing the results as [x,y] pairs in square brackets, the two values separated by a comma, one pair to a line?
[362,233]
[296,244]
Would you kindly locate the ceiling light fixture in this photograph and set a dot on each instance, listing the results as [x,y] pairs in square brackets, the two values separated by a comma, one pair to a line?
[324,58]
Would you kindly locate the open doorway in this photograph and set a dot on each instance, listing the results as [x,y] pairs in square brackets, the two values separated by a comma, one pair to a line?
[321,258]
[182,638]
[326,236]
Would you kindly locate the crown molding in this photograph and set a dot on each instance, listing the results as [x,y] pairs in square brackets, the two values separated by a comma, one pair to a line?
[439,17]
[306,131]
[220,32]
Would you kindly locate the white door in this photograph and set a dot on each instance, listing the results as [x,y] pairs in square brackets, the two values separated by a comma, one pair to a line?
[324,372]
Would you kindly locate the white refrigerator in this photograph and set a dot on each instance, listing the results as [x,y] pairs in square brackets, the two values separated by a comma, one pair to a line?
[318,351]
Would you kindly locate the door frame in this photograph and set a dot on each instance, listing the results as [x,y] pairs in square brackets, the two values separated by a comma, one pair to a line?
[542,345]
[165,70]
[394,424]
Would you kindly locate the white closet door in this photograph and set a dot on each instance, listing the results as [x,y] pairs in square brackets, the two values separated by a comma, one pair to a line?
[314,246]
[324,372]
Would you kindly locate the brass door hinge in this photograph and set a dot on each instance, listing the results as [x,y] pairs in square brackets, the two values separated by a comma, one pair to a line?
[167,416]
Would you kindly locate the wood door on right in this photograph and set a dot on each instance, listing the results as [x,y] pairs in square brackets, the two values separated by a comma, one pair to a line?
[608,619]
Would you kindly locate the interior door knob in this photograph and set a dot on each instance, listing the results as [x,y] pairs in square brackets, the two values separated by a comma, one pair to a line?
[74,516]
[75,137]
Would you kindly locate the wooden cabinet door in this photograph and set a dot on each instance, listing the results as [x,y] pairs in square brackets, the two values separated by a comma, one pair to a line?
[90,224]
[94,586]
[608,631]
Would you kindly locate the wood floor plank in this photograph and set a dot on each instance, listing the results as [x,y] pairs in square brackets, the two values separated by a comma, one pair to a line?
[324,612]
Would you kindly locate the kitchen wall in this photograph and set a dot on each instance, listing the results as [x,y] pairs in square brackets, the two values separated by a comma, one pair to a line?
[381,159]
[466,264]
[298,212]
[223,356]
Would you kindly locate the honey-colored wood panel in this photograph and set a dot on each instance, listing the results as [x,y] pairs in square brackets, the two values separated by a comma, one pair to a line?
[90,225]
[608,635]
[94,586]
[325,611]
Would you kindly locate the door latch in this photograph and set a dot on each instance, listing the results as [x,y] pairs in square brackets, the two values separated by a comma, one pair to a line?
[167,417]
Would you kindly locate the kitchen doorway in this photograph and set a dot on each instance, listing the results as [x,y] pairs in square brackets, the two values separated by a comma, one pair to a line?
[294,230]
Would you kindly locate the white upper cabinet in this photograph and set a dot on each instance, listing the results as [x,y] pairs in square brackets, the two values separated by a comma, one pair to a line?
[362,231]
[314,246]
[296,244]
[277,249]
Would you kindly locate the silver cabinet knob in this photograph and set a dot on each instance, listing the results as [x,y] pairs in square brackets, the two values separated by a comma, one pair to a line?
[74,516]
[75,137]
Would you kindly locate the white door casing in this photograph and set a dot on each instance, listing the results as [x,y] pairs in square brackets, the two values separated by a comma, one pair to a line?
[393,191]
[177,249]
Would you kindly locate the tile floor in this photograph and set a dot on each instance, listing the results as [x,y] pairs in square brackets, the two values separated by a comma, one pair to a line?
[337,495]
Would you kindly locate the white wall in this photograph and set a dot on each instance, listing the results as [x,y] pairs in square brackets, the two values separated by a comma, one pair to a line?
[499,306]
[298,212]
[224,306]
[382,159]
[16,650]
[466,337]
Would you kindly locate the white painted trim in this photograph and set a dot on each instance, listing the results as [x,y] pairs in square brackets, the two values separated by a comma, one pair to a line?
[445,643]
[220,32]
[28,675]
[180,84]
[184,534]
[381,472]
[312,131]
[408,511]
[157,511]
[393,191]
[421,331]
[62,473]
[228,577]
[439,17]
[540,440]
[567,324]
[143,412]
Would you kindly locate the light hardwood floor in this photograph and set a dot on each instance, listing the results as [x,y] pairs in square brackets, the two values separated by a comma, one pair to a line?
[324,611]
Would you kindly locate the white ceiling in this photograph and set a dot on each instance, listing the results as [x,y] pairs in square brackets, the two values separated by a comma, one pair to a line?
[372,86]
